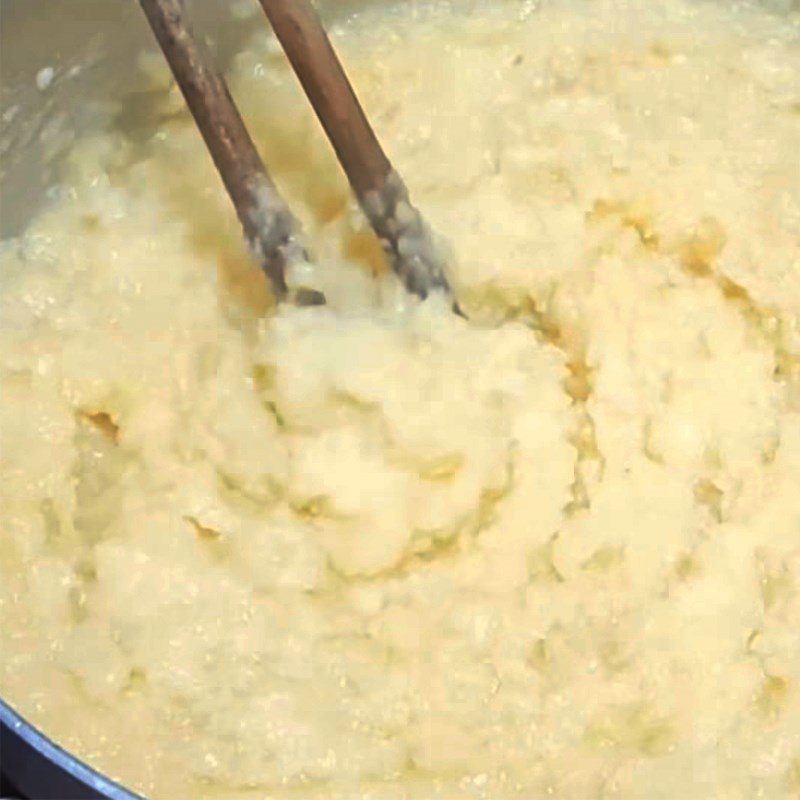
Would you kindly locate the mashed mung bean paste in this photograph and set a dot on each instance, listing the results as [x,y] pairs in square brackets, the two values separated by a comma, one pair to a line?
[374,550]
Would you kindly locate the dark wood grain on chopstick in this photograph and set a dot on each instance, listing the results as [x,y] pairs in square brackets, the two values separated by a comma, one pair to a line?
[269,226]
[382,194]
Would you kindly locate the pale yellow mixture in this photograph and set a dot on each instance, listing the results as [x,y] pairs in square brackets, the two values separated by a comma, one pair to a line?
[373,551]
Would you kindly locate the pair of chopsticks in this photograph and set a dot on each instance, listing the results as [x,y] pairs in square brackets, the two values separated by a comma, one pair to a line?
[270,227]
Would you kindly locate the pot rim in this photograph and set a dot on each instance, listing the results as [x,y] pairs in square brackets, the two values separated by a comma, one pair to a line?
[35,763]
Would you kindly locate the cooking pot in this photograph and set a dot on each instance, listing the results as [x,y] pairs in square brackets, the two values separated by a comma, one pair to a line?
[58,61]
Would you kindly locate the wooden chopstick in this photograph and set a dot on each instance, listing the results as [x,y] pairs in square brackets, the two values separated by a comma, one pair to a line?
[271,230]
[381,192]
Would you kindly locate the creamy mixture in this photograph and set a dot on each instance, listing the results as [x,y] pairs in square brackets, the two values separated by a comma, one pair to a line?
[377,551]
